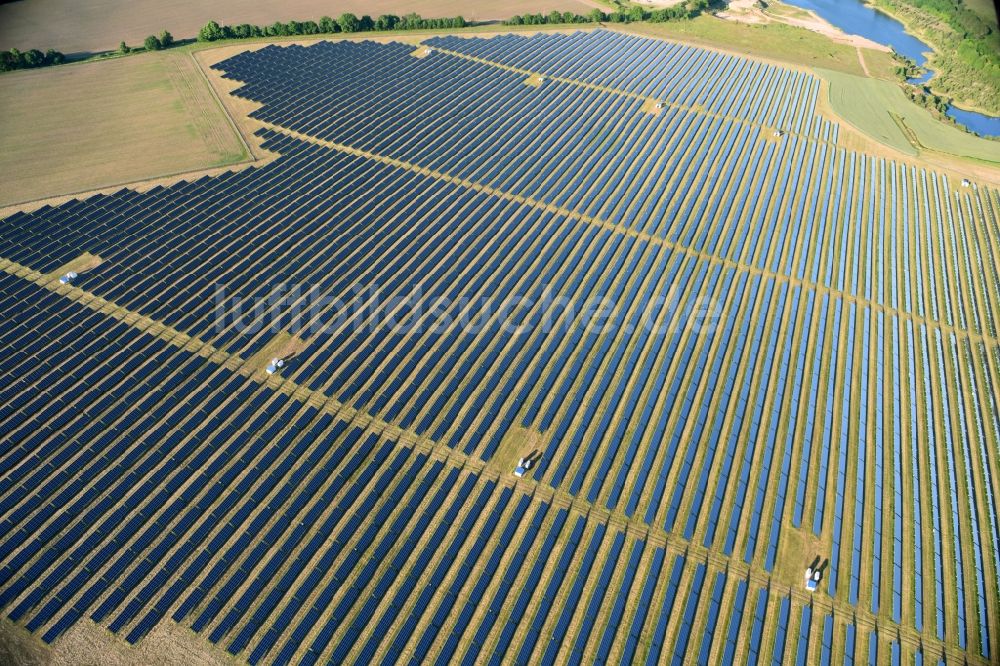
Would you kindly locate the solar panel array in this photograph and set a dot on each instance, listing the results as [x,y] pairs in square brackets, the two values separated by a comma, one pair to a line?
[845,396]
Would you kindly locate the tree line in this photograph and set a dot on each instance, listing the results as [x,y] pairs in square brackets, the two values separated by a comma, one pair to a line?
[15,59]
[347,22]
[634,14]
[350,23]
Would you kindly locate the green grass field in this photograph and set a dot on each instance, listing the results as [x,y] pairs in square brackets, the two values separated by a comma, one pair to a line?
[882,111]
[784,43]
[984,8]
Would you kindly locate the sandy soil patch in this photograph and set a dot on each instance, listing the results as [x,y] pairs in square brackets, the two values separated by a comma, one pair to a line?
[19,646]
[653,106]
[284,346]
[88,644]
[167,644]
[84,262]
[746,11]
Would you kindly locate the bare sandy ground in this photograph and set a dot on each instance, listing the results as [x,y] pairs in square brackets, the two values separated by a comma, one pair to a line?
[744,11]
[88,644]
[80,26]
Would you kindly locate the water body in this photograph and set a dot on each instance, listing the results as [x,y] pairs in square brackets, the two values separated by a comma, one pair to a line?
[977,122]
[857,18]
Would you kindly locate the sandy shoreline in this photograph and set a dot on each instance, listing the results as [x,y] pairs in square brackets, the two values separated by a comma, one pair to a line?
[745,11]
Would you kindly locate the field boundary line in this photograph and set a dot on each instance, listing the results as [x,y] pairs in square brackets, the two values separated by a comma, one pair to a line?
[225,110]
[140,185]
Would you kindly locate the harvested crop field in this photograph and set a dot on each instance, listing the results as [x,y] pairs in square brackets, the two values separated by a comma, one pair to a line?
[87,126]
[552,349]
[81,26]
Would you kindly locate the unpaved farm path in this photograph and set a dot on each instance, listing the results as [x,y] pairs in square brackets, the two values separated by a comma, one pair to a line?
[861,59]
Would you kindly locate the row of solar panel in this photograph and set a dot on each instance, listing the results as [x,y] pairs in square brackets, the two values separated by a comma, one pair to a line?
[247,524]
[203,303]
[722,84]
[508,417]
[476,397]
[754,220]
[763,479]
[479,403]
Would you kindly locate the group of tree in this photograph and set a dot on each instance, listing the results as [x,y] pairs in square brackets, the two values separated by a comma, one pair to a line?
[152,43]
[921,94]
[928,100]
[156,42]
[906,68]
[966,45]
[633,14]
[346,23]
[15,59]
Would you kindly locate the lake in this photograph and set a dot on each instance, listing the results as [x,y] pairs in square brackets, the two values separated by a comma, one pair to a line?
[857,18]
[977,122]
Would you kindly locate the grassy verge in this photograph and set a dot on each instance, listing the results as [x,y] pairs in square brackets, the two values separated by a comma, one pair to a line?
[784,43]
